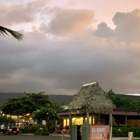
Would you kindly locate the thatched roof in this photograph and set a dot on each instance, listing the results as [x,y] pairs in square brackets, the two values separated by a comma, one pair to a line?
[93,99]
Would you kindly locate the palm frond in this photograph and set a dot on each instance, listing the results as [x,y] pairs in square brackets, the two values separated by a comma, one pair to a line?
[15,34]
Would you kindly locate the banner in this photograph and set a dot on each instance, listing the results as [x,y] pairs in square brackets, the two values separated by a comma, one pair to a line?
[99,132]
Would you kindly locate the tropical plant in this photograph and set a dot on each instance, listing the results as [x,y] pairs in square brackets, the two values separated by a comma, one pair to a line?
[41,132]
[39,99]
[45,113]
[57,107]
[137,105]
[26,104]
[15,34]
[126,105]
[49,115]
[122,102]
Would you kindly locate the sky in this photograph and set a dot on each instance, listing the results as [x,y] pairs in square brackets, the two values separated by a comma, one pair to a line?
[68,43]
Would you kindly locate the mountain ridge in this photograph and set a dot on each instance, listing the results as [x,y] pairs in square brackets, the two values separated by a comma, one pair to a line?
[63,99]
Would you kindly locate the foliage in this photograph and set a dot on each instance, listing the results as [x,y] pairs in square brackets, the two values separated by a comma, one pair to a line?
[18,106]
[114,122]
[137,105]
[123,131]
[31,129]
[122,102]
[111,94]
[6,120]
[26,104]
[48,114]
[36,105]
[126,104]
[41,132]
[15,34]
[39,99]
[35,127]
[57,107]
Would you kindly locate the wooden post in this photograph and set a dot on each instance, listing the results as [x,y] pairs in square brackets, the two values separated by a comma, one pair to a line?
[56,121]
[70,125]
[99,119]
[83,120]
[87,127]
[92,119]
[110,118]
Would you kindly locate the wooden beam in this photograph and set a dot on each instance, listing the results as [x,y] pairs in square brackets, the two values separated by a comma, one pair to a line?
[70,125]
[87,127]
[110,118]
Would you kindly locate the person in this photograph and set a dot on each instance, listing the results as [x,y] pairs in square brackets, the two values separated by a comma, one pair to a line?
[2,127]
[58,127]
[8,126]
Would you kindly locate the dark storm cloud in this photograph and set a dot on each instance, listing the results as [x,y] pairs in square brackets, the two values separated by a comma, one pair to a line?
[59,65]
[62,67]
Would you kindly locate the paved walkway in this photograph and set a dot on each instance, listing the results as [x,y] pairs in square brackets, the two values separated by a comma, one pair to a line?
[68,136]
[114,138]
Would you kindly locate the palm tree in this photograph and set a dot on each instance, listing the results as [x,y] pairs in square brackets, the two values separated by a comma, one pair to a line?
[15,34]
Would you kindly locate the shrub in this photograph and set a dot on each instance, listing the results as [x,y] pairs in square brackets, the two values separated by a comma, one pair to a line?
[31,129]
[41,132]
[51,128]
[123,131]
[35,127]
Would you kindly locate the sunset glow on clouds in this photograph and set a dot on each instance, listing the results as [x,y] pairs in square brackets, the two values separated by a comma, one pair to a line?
[67,44]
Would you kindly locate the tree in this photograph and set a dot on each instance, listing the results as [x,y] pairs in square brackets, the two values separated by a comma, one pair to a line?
[18,106]
[39,99]
[47,114]
[31,103]
[122,102]
[126,105]
[57,107]
[26,104]
[111,94]
[15,34]
[137,105]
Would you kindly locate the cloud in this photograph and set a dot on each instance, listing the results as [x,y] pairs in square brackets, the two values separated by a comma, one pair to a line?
[62,65]
[128,26]
[20,13]
[67,22]
[103,30]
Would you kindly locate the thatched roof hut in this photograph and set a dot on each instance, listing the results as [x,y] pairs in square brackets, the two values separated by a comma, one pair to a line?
[93,99]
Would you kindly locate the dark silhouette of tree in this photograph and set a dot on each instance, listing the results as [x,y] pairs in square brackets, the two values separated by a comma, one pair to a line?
[4,31]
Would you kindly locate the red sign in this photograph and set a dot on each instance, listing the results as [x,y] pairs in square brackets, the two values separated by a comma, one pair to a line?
[99,132]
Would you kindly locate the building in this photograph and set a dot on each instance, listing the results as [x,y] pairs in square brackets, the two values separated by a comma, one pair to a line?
[92,92]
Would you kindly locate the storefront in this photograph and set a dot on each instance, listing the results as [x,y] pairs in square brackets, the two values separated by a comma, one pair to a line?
[78,120]
[81,119]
